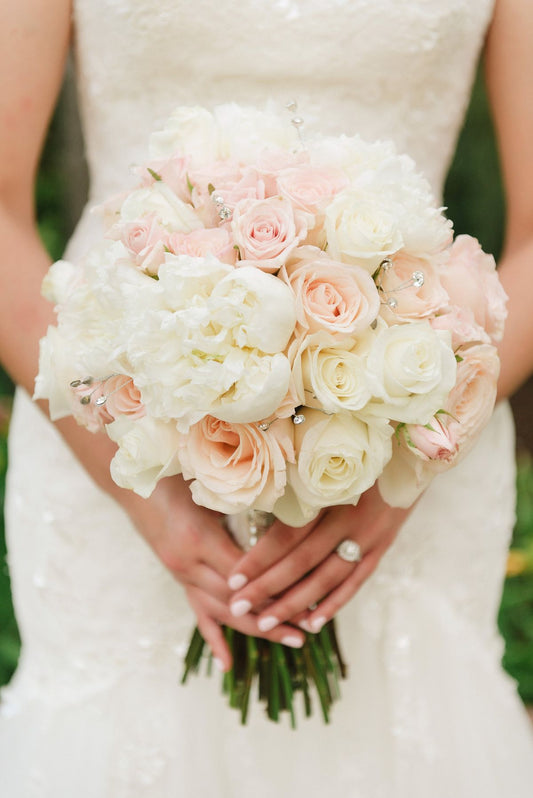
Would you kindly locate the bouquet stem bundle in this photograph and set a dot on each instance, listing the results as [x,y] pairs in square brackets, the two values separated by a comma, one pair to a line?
[279,673]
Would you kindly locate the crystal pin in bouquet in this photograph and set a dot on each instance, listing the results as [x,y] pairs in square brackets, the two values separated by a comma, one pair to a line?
[284,322]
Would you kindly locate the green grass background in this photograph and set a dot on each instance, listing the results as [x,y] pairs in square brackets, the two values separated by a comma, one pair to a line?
[474,198]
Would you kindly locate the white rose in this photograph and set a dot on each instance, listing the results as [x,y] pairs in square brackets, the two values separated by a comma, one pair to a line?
[333,377]
[148,451]
[412,370]
[61,279]
[338,458]
[361,229]
[190,130]
[159,200]
[257,307]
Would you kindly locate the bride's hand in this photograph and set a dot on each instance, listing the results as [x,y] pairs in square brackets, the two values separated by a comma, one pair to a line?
[303,566]
[192,544]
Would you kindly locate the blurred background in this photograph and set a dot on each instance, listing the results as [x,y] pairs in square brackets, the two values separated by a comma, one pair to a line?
[475,203]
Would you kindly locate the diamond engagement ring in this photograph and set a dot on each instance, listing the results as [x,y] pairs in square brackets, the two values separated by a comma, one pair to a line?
[349,551]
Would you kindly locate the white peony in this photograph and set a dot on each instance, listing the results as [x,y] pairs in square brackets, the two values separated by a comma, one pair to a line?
[147,452]
[190,131]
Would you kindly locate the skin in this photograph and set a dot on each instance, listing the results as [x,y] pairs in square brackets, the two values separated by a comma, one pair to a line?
[297,564]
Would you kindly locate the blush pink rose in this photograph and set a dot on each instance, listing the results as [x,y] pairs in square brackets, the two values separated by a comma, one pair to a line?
[472,399]
[145,240]
[343,300]
[172,171]
[461,324]
[438,440]
[199,243]
[471,280]
[236,466]
[413,301]
[267,231]
[272,163]
[123,398]
[311,188]
[225,179]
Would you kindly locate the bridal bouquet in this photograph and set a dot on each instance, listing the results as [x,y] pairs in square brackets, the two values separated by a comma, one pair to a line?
[283,321]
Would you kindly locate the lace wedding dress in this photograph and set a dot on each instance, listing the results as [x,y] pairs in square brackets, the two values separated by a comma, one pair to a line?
[95,709]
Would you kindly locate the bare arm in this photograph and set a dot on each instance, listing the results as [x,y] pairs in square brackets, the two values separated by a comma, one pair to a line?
[509,73]
[305,554]
[190,541]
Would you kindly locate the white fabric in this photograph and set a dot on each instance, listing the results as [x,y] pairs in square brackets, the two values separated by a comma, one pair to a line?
[95,709]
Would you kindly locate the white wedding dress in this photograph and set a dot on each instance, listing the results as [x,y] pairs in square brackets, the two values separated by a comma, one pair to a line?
[95,709]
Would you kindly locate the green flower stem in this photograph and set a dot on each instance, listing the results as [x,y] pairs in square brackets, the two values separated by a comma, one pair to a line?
[279,672]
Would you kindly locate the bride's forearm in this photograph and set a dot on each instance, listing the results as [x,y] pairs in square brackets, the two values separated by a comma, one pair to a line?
[516,349]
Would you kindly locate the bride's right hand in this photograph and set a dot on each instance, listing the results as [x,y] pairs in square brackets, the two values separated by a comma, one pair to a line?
[193,545]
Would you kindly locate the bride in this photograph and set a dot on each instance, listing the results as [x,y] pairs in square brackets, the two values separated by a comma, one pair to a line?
[107,585]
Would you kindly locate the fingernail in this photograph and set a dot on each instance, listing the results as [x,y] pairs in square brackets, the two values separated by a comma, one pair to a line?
[237,581]
[241,607]
[292,641]
[317,623]
[268,623]
[219,664]
[305,626]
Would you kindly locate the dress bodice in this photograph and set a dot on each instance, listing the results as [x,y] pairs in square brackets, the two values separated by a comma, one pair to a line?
[381,68]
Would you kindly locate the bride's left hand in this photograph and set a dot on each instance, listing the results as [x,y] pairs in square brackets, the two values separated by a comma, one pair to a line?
[303,566]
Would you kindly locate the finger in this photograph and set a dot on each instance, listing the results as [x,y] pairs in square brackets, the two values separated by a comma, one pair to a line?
[273,547]
[212,634]
[305,557]
[326,577]
[329,606]
[208,580]
[218,550]
[284,633]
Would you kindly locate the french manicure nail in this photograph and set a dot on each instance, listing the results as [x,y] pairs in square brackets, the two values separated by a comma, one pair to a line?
[305,626]
[218,664]
[292,641]
[317,623]
[268,623]
[237,581]
[241,607]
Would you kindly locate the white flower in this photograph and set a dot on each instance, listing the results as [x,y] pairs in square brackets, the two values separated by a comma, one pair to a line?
[338,457]
[333,374]
[257,307]
[412,370]
[148,451]
[190,131]
[361,229]
[159,201]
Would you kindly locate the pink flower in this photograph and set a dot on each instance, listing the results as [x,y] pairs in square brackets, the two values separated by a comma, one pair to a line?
[236,466]
[100,402]
[422,294]
[227,180]
[172,171]
[471,280]
[267,231]
[199,243]
[330,295]
[461,324]
[472,399]
[311,188]
[123,398]
[437,440]
[145,240]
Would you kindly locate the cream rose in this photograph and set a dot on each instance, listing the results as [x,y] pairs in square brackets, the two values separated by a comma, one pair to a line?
[412,370]
[267,231]
[191,131]
[361,229]
[236,466]
[338,458]
[331,296]
[333,378]
[311,188]
[147,452]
